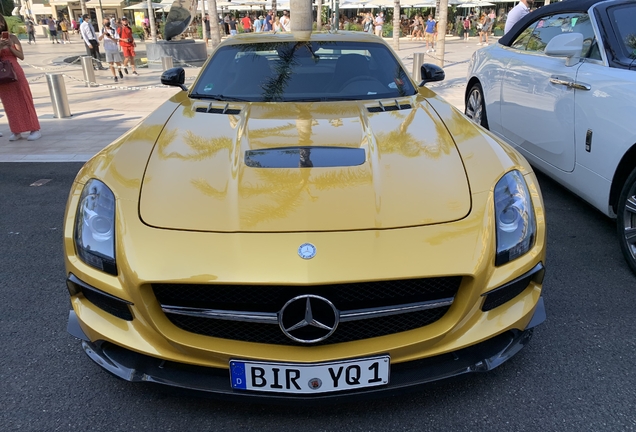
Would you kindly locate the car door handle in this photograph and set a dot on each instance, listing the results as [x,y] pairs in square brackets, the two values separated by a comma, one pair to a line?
[570,84]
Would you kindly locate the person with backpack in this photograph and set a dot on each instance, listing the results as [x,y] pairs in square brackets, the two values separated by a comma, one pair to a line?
[127,43]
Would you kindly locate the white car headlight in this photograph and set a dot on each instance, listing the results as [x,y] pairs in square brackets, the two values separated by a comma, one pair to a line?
[95,227]
[514,217]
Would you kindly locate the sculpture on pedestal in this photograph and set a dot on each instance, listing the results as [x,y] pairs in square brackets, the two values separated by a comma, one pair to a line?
[179,18]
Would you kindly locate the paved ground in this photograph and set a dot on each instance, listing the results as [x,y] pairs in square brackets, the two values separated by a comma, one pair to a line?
[576,375]
[101,114]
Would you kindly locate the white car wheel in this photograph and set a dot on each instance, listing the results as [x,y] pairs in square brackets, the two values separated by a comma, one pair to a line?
[475,105]
[627,220]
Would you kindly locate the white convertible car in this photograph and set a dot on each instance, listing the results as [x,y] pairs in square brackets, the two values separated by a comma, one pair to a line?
[561,88]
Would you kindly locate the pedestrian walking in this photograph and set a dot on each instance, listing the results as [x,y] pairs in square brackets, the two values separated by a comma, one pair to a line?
[52,24]
[379,24]
[64,25]
[90,38]
[226,24]
[233,26]
[258,24]
[522,9]
[285,22]
[246,22]
[429,34]
[268,24]
[127,43]
[16,96]
[466,25]
[207,33]
[486,28]
[30,28]
[110,39]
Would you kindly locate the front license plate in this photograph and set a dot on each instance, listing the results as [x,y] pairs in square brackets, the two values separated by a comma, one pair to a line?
[304,378]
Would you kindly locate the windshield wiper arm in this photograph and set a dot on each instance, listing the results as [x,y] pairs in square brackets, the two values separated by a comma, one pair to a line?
[219,98]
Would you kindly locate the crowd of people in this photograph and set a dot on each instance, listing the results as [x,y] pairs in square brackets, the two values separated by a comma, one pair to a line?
[232,24]
[118,41]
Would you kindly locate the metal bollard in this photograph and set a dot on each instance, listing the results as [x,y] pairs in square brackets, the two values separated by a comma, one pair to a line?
[87,68]
[418,60]
[59,98]
[166,63]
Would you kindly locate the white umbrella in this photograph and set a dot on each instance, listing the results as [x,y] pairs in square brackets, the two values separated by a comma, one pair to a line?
[357,5]
[144,6]
[473,5]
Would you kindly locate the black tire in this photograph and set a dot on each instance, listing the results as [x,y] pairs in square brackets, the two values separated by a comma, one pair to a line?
[626,220]
[476,106]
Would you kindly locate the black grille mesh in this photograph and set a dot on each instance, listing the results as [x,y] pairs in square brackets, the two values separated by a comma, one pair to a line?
[260,298]
[272,334]
[345,297]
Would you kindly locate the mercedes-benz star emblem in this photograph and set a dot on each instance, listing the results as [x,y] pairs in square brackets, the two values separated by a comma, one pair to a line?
[307,251]
[308,319]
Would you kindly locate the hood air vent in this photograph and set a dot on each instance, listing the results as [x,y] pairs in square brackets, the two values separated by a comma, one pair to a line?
[305,157]
[225,109]
[395,106]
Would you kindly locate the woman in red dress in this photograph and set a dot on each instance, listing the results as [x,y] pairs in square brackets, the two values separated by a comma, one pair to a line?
[16,96]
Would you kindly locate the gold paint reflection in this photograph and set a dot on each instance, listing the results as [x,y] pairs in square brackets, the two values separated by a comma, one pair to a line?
[403,142]
[202,148]
[285,189]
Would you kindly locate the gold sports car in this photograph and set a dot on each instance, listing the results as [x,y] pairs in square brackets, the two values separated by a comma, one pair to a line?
[304,222]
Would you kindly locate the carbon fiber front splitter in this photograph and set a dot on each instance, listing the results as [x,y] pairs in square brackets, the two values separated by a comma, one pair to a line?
[132,366]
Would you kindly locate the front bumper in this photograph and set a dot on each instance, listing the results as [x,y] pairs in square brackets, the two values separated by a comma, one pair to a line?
[135,367]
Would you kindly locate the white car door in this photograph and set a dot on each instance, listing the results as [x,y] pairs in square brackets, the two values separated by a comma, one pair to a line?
[537,109]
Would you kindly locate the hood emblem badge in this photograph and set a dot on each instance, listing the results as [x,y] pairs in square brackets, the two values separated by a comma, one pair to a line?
[307,251]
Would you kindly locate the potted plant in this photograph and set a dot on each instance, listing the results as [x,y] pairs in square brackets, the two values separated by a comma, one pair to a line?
[498,30]
[139,32]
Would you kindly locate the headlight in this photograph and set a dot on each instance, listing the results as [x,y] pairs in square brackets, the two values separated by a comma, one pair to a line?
[95,227]
[514,217]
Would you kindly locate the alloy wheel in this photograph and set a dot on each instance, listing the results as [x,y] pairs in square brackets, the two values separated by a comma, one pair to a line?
[626,221]
[475,105]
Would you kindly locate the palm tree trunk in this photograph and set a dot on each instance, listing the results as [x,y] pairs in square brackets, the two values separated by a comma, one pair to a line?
[215,29]
[301,15]
[396,25]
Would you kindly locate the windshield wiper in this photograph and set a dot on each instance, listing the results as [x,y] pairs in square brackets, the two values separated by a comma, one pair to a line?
[219,98]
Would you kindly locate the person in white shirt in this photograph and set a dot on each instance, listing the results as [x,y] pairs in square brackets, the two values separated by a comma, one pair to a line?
[111,46]
[522,9]
[379,23]
[285,22]
[90,38]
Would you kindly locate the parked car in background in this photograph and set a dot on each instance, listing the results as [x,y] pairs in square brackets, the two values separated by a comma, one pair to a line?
[561,88]
[304,221]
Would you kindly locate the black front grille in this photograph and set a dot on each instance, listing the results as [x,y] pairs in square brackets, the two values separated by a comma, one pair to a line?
[263,298]
[271,299]
[272,334]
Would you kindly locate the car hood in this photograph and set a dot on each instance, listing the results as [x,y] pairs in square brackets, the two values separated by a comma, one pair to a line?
[298,167]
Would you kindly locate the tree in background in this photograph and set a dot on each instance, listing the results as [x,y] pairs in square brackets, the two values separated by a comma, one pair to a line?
[6,7]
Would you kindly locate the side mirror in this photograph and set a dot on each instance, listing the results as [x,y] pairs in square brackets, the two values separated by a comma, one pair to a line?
[174,77]
[431,73]
[568,45]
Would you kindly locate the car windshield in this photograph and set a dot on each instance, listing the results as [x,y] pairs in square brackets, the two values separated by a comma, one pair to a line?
[303,71]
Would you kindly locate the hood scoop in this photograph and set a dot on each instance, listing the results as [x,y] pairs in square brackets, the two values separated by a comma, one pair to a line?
[305,157]
[218,109]
[395,106]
